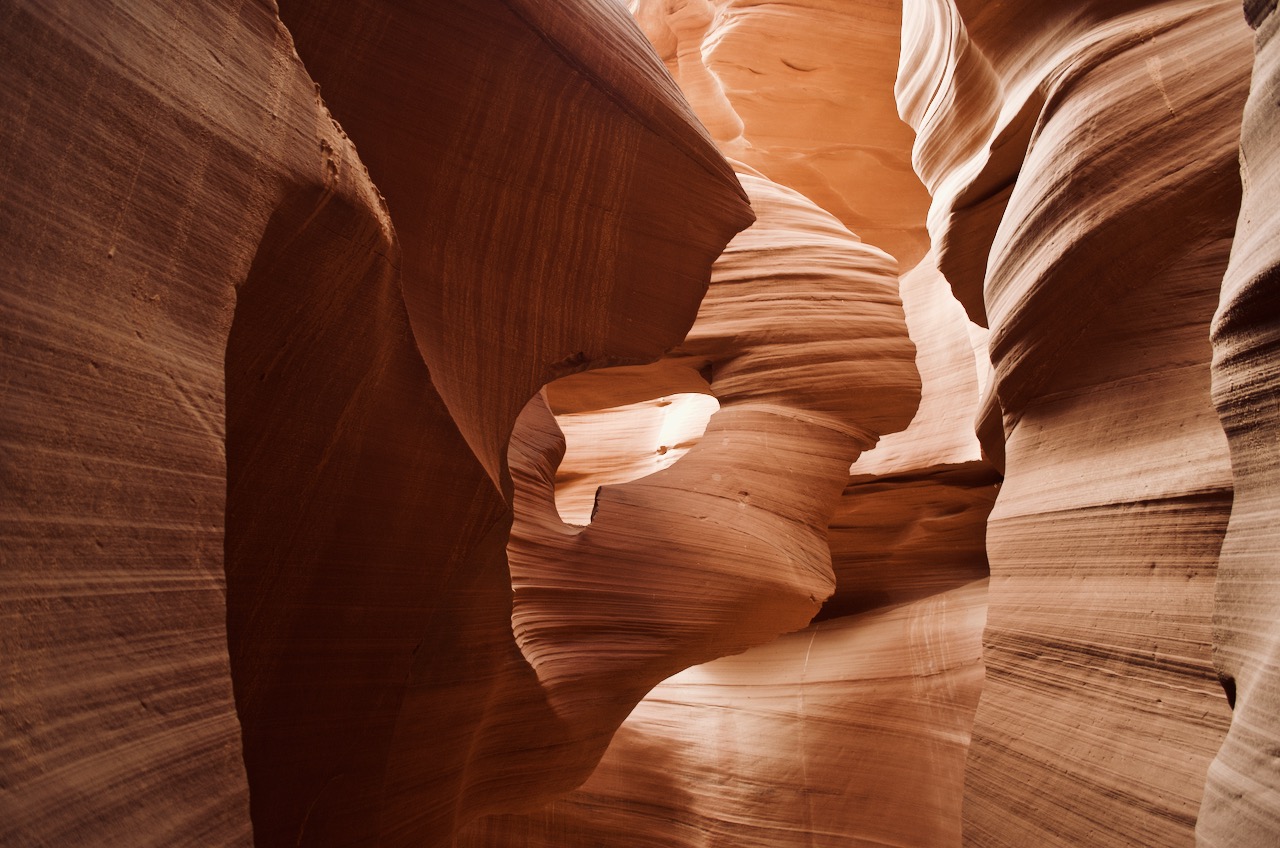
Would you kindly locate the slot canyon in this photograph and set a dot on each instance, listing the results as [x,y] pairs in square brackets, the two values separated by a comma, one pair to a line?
[640,423]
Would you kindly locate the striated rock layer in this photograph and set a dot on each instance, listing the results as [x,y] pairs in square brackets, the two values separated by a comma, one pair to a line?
[1082,163]
[556,207]
[286,557]
[726,548]
[826,735]
[1242,796]
[763,459]
[831,736]
[141,167]
[193,241]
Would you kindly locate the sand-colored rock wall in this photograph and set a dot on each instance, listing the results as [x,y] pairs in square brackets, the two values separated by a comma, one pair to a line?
[828,733]
[214,313]
[297,306]
[1242,796]
[1082,161]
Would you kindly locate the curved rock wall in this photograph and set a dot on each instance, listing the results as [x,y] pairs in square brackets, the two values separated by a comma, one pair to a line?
[282,558]
[556,207]
[726,548]
[1082,161]
[142,155]
[835,735]
[802,92]
[826,734]
[1242,797]
[195,241]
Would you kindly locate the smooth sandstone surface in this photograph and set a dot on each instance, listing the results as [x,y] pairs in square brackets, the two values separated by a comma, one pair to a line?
[384,477]
[1242,795]
[895,698]
[718,764]
[194,242]
[1082,161]
[803,93]
[549,107]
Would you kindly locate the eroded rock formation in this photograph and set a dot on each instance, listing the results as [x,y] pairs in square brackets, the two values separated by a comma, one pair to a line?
[180,206]
[1242,796]
[893,671]
[287,396]
[1082,160]
[726,548]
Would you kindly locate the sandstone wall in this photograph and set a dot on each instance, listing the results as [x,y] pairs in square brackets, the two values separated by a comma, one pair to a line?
[212,312]
[826,734]
[288,395]
[1242,796]
[1082,161]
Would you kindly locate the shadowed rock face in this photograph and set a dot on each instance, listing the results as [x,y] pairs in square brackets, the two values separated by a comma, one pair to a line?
[143,156]
[194,241]
[535,161]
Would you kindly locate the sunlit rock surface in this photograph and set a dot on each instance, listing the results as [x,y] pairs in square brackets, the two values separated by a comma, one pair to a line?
[1242,797]
[1082,160]
[891,708]
[651,435]
[803,92]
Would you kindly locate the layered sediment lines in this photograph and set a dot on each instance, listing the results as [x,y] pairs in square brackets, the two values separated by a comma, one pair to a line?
[829,733]
[773,748]
[727,547]
[488,174]
[556,207]
[141,170]
[1083,166]
[747,503]
[1242,796]
[194,241]
[303,539]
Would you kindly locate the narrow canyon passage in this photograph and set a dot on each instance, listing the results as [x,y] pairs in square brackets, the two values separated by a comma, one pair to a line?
[694,423]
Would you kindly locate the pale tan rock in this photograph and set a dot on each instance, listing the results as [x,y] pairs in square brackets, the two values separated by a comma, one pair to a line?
[803,93]
[1242,795]
[847,733]
[1081,160]
[623,443]
[727,547]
